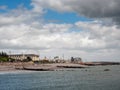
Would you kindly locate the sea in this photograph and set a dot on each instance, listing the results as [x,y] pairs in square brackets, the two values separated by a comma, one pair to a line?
[92,78]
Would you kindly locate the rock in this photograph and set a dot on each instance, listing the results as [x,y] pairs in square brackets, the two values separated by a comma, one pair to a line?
[106,69]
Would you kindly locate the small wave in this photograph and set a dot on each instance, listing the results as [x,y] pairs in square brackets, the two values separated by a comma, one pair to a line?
[15,72]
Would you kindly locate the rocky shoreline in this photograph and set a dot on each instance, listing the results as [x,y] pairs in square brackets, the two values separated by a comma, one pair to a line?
[17,66]
[37,67]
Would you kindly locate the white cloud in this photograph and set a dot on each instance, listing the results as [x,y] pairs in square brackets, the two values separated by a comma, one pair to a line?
[25,30]
[89,8]
[109,35]
[92,39]
[3,7]
[20,15]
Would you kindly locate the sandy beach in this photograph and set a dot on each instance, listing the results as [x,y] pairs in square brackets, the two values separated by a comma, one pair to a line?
[19,65]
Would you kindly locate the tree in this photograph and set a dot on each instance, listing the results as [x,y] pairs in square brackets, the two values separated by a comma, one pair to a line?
[29,58]
[3,57]
[72,59]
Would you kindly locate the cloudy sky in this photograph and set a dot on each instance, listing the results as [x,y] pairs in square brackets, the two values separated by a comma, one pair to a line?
[81,28]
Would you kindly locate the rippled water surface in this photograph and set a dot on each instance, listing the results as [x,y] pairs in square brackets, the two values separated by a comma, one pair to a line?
[93,78]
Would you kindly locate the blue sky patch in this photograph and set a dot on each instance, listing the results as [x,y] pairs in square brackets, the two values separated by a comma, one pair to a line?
[49,16]
[12,4]
[57,17]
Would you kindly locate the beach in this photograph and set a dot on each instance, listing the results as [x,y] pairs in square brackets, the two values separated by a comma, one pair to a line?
[8,66]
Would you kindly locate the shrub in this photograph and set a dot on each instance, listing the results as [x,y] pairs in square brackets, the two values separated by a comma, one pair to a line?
[4,59]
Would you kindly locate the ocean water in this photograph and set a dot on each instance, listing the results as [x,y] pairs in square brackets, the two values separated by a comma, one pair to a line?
[93,78]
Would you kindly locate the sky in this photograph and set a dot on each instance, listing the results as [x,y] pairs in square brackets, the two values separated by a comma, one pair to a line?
[74,28]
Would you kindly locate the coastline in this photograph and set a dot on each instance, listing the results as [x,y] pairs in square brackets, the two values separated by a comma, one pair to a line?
[17,66]
[30,66]
[6,66]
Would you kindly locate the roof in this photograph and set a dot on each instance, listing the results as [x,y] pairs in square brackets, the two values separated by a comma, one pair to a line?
[24,55]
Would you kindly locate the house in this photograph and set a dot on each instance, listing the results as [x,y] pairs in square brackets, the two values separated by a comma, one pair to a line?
[22,57]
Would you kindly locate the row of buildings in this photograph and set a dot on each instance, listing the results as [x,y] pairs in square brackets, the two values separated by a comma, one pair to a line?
[34,57]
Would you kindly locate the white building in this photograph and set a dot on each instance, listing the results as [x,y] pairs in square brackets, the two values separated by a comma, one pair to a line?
[22,57]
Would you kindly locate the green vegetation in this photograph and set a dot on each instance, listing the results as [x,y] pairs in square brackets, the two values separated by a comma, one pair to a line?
[4,57]
[44,61]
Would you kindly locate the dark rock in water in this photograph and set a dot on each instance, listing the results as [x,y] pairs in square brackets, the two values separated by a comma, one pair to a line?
[38,69]
[106,69]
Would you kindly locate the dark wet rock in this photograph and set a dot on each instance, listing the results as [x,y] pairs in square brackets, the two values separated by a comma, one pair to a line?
[106,69]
